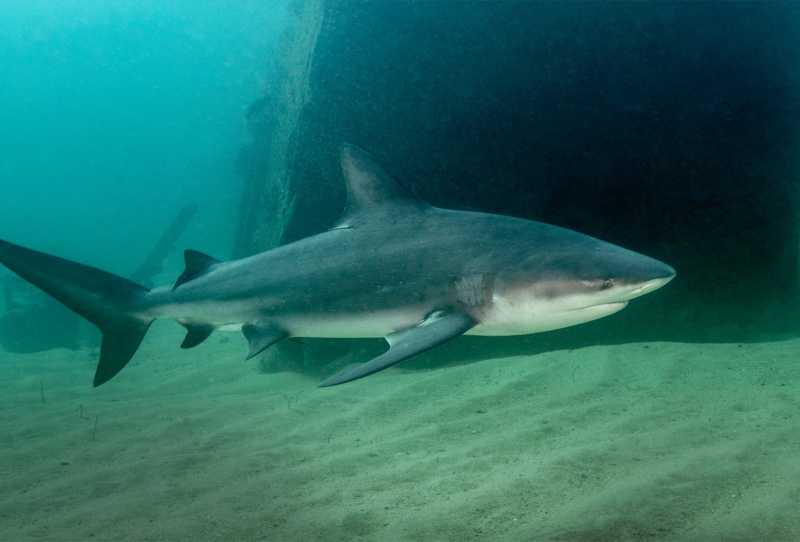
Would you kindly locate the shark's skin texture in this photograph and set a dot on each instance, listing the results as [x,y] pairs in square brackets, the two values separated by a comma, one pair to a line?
[394,267]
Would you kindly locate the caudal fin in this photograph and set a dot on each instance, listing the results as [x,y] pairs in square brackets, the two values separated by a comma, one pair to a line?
[108,301]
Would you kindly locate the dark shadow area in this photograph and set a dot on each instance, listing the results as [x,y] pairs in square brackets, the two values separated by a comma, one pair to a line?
[647,125]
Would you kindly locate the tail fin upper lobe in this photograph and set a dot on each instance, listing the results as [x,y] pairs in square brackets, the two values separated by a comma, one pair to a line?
[108,301]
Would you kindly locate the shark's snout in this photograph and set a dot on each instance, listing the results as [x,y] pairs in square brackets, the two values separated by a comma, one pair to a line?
[650,275]
[662,271]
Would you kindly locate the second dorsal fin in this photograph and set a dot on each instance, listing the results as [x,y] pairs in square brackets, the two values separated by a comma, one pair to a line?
[197,264]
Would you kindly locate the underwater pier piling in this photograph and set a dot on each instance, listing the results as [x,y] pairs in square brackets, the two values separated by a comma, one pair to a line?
[266,162]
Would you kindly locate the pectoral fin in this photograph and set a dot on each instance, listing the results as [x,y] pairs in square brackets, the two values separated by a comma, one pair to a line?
[261,336]
[436,329]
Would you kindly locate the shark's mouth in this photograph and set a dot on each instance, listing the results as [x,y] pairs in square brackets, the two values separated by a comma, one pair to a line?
[648,287]
[605,308]
[613,307]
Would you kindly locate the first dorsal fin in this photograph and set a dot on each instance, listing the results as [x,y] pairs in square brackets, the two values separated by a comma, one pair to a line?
[197,264]
[368,185]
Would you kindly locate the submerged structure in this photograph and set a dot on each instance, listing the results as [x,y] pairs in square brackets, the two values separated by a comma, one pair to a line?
[616,120]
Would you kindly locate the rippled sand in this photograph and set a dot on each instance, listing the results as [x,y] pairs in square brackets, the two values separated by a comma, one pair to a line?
[656,441]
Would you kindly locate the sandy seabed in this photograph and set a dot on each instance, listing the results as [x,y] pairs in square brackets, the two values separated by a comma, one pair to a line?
[659,441]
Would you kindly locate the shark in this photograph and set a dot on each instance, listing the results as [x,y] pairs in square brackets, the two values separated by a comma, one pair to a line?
[393,266]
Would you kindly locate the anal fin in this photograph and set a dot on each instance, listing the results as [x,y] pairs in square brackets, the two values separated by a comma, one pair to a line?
[196,334]
[437,328]
[261,336]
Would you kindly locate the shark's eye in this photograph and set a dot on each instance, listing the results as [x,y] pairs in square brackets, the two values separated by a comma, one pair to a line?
[607,283]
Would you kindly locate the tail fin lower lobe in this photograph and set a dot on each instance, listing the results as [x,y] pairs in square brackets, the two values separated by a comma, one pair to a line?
[106,300]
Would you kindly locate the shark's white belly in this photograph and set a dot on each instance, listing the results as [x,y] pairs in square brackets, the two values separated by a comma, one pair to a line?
[498,320]
[513,317]
[503,316]
[352,326]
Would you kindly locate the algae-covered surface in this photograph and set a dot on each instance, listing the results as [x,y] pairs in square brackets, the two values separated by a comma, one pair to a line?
[659,441]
